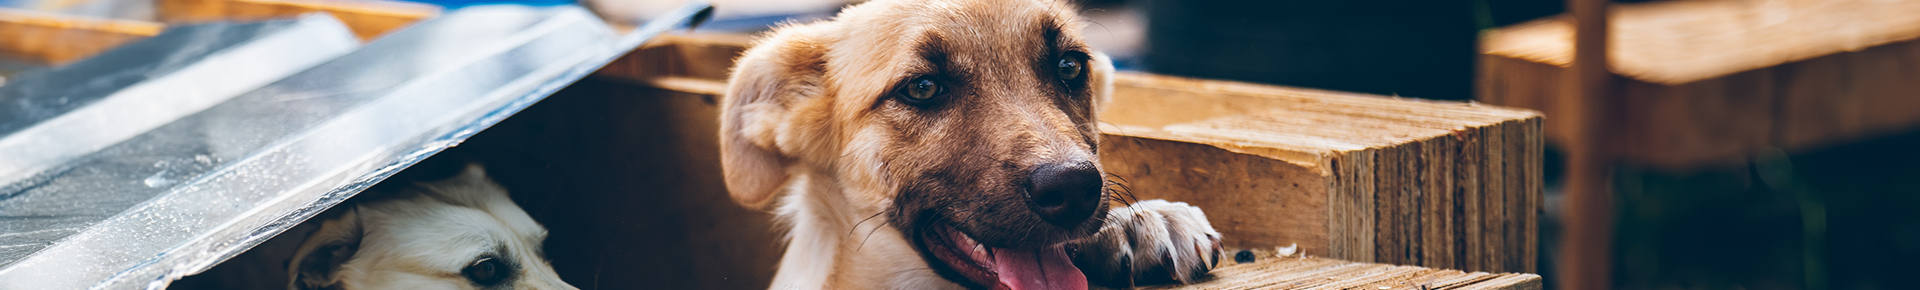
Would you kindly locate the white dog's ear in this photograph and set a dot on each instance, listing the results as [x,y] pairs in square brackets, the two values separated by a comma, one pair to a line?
[767,80]
[318,261]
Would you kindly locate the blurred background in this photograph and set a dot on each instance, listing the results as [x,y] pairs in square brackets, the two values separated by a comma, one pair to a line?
[1795,169]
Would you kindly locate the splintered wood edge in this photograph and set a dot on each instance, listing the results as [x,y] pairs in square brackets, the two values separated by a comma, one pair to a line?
[1295,272]
[57,39]
[1677,42]
[1398,121]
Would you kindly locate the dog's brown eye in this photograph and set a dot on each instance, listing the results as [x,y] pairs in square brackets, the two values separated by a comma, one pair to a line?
[920,90]
[1070,68]
[487,271]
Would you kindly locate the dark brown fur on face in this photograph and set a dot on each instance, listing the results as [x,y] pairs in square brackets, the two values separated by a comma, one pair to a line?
[937,125]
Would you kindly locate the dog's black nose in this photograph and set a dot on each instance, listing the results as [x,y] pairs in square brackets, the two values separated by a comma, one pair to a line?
[1065,194]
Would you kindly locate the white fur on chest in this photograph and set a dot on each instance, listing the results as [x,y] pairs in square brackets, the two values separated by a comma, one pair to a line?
[831,247]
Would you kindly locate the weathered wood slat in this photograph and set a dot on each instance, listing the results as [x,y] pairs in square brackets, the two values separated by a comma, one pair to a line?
[367,19]
[1317,273]
[1712,82]
[1347,176]
[52,39]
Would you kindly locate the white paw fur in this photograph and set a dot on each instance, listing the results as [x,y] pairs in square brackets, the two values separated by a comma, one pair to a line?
[1150,242]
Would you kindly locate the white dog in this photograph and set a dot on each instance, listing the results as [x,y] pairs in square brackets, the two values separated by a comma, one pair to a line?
[458,233]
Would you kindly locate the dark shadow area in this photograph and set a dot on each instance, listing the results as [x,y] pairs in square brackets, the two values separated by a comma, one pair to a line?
[1834,218]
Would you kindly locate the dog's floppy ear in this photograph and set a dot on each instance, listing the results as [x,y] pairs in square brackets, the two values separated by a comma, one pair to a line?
[767,80]
[1102,79]
[316,265]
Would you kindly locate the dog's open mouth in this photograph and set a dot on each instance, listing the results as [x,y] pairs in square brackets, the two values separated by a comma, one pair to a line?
[1004,268]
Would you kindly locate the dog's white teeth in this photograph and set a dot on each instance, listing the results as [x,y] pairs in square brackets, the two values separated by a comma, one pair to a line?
[980,251]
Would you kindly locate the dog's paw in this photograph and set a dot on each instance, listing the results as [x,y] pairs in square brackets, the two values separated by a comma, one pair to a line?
[1149,242]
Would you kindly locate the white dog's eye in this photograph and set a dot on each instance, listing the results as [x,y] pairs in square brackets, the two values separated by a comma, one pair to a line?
[487,271]
[1070,68]
[920,90]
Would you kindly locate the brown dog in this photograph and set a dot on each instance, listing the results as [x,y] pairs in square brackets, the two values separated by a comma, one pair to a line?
[944,144]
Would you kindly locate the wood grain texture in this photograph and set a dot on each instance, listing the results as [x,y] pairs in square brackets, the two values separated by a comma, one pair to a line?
[52,39]
[1705,83]
[367,19]
[1402,181]
[1347,176]
[1317,273]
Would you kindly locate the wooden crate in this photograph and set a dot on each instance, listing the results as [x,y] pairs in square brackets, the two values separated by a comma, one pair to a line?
[1346,176]
[1703,83]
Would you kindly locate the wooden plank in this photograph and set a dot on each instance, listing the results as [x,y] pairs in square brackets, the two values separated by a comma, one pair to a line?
[1590,107]
[51,39]
[1339,174]
[1705,83]
[367,19]
[1271,272]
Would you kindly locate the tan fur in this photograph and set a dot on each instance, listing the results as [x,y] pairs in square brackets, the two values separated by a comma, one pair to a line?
[423,237]
[811,112]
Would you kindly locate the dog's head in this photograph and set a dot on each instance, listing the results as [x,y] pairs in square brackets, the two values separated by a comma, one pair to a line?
[969,123]
[459,233]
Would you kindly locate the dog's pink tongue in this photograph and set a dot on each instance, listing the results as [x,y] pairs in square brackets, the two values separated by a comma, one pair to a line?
[1042,269]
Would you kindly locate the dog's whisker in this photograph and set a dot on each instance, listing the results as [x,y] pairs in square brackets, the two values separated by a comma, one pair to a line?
[856,226]
[597,267]
[863,241]
[1117,186]
[1122,190]
[1102,27]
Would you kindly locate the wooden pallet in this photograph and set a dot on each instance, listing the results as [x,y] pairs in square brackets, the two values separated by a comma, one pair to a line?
[1712,82]
[1347,176]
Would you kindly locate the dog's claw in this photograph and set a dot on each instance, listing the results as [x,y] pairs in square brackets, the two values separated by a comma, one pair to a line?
[1184,244]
